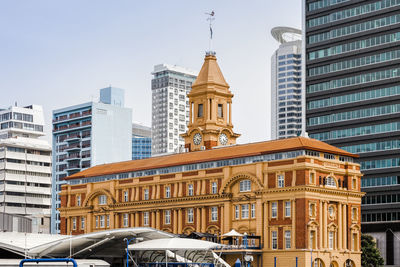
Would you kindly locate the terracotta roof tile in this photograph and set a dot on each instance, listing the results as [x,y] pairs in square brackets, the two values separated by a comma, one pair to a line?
[236,151]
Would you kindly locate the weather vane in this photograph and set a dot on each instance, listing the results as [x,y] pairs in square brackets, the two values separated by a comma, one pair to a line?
[210,19]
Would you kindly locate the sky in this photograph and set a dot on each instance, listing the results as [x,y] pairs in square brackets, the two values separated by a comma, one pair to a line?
[60,53]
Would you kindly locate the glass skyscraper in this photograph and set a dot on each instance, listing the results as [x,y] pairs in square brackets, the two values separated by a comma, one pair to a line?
[353,100]
[141,141]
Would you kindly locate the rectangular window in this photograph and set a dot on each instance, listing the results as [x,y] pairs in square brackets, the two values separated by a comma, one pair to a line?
[331,236]
[146,218]
[312,178]
[190,215]
[200,111]
[108,221]
[167,217]
[220,111]
[214,214]
[78,200]
[274,239]
[253,210]
[146,194]
[102,217]
[190,189]
[281,181]
[102,200]
[74,223]
[287,208]
[245,211]
[126,197]
[312,240]
[214,188]
[274,210]
[97,221]
[167,192]
[245,186]
[287,239]
[126,219]
[82,223]
[237,212]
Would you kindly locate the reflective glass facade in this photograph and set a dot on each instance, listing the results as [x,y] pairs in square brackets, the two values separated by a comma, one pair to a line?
[353,99]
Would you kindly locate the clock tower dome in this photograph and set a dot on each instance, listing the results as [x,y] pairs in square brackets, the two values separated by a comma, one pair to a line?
[210,100]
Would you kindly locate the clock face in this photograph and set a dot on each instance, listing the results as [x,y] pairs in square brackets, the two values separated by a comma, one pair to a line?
[197,139]
[223,139]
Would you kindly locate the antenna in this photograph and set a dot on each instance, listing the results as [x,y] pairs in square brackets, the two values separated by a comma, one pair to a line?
[210,19]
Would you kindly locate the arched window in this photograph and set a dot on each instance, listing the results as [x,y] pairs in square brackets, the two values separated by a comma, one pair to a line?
[330,181]
[318,263]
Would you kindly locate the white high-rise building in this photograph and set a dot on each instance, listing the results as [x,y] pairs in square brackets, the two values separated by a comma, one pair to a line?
[170,114]
[25,162]
[86,135]
[286,91]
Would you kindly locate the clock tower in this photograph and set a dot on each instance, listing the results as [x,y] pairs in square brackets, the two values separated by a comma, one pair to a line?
[210,100]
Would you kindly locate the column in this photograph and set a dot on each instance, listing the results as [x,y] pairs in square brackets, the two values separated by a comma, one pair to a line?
[137,217]
[340,227]
[180,220]
[132,219]
[153,219]
[153,192]
[221,219]
[325,224]
[230,113]
[293,203]
[116,219]
[158,219]
[68,219]
[179,189]
[198,216]
[203,219]
[137,194]
[344,223]
[157,191]
[227,218]
[175,221]
[203,187]
[266,226]
[88,223]
[258,217]
[321,225]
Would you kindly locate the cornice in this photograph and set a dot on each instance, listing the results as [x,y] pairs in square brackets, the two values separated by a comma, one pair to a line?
[315,189]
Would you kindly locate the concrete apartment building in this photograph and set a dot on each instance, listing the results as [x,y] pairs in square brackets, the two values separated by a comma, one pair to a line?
[25,166]
[170,107]
[286,89]
[89,134]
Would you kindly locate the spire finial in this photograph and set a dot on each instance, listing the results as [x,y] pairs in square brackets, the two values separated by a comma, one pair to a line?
[210,19]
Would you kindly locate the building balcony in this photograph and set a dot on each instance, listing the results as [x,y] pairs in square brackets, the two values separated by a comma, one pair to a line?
[73,157]
[72,116]
[73,147]
[72,126]
[73,167]
[73,137]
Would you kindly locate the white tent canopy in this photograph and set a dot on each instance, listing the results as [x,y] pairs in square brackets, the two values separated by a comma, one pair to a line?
[175,244]
[232,233]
